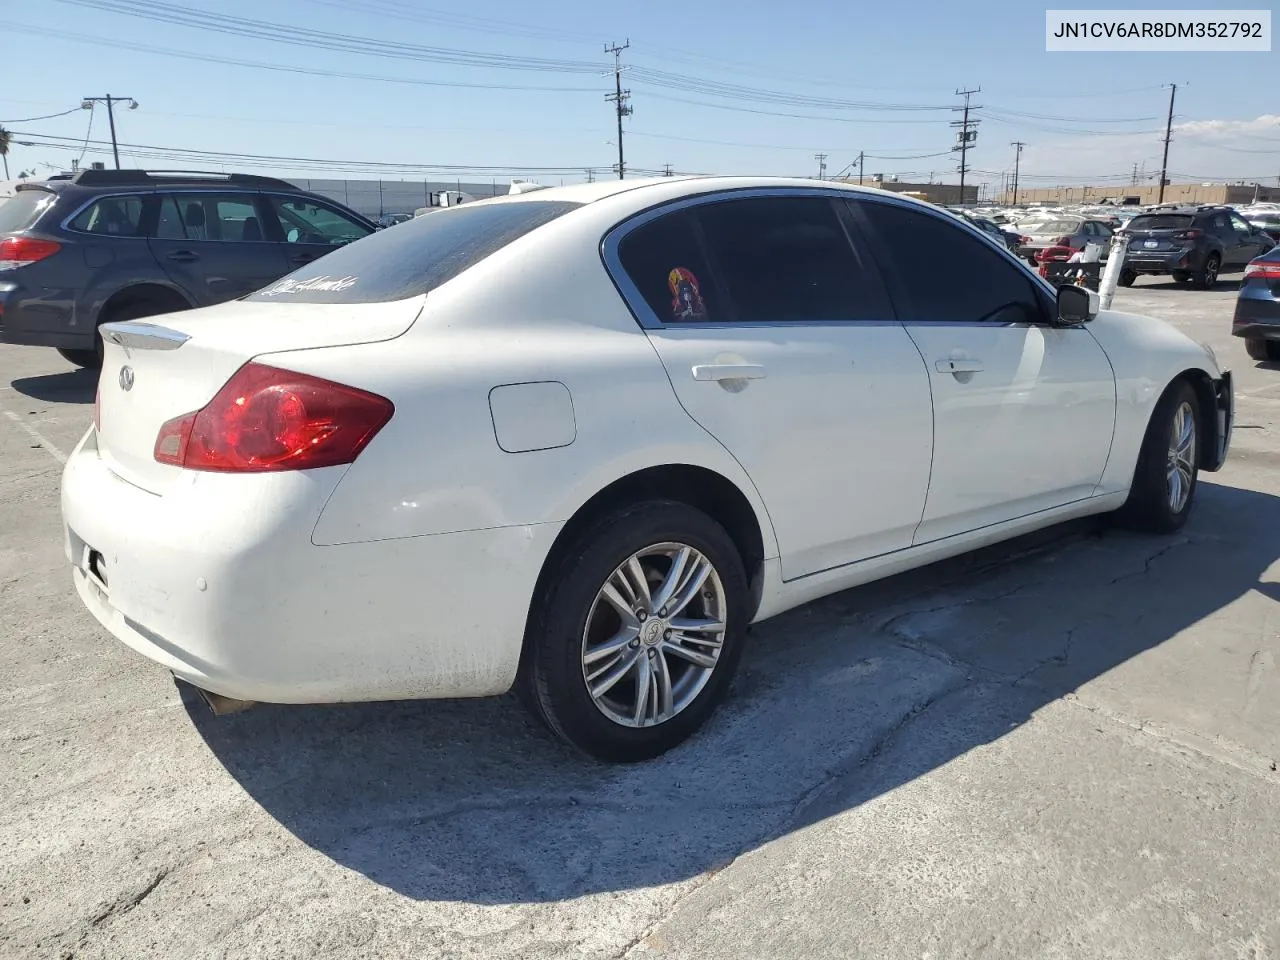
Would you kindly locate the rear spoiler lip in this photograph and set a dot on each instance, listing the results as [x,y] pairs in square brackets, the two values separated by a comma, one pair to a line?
[134,335]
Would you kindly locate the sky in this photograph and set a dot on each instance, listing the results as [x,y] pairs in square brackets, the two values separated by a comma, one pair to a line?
[492,89]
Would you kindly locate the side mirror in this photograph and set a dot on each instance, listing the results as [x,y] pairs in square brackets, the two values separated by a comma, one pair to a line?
[1076,305]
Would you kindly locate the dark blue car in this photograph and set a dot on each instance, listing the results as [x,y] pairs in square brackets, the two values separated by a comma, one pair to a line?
[78,251]
[1257,316]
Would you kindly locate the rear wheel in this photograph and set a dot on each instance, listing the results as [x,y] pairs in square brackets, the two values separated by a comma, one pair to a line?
[89,359]
[1207,276]
[1127,277]
[639,632]
[1164,483]
[1259,349]
[1181,276]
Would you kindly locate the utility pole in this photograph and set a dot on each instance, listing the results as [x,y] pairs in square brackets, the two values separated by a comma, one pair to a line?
[968,133]
[619,98]
[87,104]
[1017,158]
[822,165]
[862,157]
[666,170]
[1168,135]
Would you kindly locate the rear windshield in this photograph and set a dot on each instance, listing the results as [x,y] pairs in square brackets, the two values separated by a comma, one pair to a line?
[1162,221]
[23,209]
[1050,226]
[414,257]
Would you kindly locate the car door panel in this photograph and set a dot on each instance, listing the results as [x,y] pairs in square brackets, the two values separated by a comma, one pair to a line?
[213,245]
[830,418]
[1024,412]
[833,425]
[1024,418]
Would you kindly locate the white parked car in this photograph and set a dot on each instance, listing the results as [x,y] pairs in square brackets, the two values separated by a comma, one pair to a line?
[577,440]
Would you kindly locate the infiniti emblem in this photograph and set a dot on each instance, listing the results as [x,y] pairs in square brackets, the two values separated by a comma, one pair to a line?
[126,378]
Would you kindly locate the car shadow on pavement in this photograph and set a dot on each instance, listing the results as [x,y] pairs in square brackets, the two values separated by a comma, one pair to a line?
[72,386]
[837,703]
[1165,284]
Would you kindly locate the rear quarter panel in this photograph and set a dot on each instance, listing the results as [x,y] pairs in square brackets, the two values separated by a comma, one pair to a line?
[542,309]
[1146,355]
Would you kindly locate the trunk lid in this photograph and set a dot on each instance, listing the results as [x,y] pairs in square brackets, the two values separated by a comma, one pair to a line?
[168,366]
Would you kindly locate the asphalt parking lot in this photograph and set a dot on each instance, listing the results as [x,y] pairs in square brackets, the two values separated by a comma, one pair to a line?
[1064,747]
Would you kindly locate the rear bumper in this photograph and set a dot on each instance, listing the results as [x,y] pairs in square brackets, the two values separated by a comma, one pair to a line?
[1256,316]
[1163,262]
[218,581]
[40,321]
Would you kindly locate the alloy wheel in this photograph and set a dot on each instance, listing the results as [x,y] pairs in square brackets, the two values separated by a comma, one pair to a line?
[654,635]
[1180,466]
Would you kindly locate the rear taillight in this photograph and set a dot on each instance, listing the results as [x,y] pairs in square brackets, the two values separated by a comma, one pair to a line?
[1262,270]
[266,419]
[1192,234]
[19,251]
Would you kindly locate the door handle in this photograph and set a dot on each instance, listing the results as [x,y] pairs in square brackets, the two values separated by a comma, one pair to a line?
[728,371]
[184,256]
[302,258]
[958,366]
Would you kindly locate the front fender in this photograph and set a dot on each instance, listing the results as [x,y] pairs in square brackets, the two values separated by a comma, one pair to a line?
[1147,354]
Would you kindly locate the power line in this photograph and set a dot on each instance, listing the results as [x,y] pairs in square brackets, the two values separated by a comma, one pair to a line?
[48,116]
[283,68]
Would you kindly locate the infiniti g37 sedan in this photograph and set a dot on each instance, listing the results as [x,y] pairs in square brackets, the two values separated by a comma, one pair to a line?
[576,441]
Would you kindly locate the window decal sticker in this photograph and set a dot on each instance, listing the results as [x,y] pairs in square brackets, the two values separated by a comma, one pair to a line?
[686,295]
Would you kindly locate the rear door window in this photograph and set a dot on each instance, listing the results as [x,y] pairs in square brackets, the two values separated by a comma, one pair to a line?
[415,257]
[664,259]
[24,208]
[227,217]
[110,216]
[788,259]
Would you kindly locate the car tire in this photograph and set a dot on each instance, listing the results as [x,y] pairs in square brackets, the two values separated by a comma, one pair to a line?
[575,621]
[1207,275]
[1127,277]
[1159,503]
[1181,276]
[1259,349]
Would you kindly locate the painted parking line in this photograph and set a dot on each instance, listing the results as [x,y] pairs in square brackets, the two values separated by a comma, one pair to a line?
[36,435]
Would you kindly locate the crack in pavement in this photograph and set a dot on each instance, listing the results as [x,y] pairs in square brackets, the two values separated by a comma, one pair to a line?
[1217,749]
[128,901]
[1146,567]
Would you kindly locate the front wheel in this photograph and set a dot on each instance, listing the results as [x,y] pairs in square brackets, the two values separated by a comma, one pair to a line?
[1164,483]
[639,632]
[1127,277]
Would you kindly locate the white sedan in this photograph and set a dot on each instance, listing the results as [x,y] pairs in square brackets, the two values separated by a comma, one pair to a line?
[577,440]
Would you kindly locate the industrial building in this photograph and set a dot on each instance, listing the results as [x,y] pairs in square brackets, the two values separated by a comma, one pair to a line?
[374,198]
[948,193]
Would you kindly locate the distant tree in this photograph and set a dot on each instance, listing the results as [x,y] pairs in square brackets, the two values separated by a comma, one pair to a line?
[5,140]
